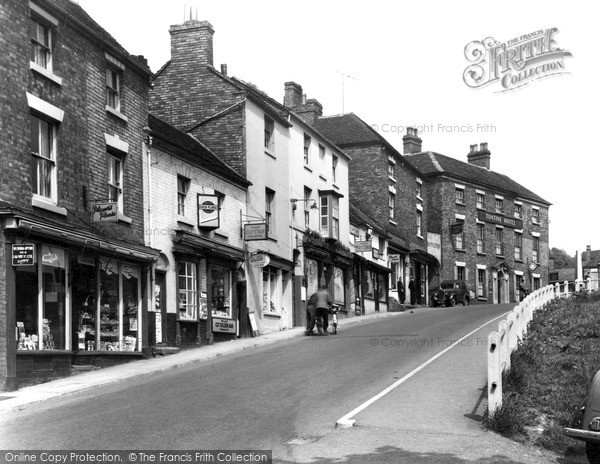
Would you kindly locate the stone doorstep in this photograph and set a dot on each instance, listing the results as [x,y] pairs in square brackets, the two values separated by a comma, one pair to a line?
[164,350]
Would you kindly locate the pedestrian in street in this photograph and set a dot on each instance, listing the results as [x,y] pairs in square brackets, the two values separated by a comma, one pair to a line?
[401,291]
[412,287]
[311,312]
[323,304]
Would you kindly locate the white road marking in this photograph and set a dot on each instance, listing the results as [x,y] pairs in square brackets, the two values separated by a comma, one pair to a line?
[347,420]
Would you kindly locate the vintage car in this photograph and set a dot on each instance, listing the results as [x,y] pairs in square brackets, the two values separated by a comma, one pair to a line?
[584,423]
[449,293]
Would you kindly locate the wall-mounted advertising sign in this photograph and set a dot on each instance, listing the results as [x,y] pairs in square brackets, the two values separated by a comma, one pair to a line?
[500,219]
[208,211]
[104,212]
[223,325]
[363,245]
[23,255]
[394,258]
[259,260]
[257,231]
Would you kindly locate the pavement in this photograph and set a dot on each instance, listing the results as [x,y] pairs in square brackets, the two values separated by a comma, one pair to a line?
[433,417]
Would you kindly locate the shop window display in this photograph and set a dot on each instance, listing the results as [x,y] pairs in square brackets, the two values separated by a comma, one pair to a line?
[109,307]
[270,290]
[312,276]
[41,301]
[338,286]
[221,292]
[188,307]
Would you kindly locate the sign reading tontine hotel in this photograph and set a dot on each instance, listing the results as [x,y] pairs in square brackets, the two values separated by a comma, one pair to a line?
[500,219]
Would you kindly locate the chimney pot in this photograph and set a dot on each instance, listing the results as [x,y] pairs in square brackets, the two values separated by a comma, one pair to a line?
[479,155]
[293,95]
[224,69]
[412,142]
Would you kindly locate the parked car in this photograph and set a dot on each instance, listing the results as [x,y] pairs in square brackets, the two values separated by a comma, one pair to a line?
[449,293]
[584,423]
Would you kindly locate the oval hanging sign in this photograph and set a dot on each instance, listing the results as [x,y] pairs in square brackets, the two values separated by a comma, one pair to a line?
[259,260]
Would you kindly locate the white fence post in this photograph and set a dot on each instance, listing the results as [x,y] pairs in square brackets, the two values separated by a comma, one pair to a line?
[504,345]
[494,373]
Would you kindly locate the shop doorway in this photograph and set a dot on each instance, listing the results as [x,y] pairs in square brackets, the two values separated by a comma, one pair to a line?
[83,278]
[157,316]
[500,287]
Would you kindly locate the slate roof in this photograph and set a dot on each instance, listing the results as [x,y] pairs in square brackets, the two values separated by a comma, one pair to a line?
[349,129]
[562,274]
[192,146]
[75,13]
[432,164]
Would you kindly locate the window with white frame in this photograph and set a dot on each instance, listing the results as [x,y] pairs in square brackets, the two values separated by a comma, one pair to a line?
[459,239]
[188,305]
[42,37]
[536,249]
[183,186]
[518,246]
[114,163]
[480,200]
[330,216]
[535,215]
[270,209]
[499,241]
[43,150]
[270,293]
[391,204]
[499,205]
[113,88]
[307,204]
[269,133]
[459,195]
[481,283]
[460,272]
[481,238]
[518,210]
[334,164]
[537,282]
[419,223]
[419,189]
[307,141]
[391,166]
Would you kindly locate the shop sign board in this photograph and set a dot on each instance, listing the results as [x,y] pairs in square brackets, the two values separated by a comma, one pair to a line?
[256,231]
[223,325]
[363,245]
[394,258]
[434,245]
[500,219]
[104,212]
[208,211]
[259,260]
[23,255]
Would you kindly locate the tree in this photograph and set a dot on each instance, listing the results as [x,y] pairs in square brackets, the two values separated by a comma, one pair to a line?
[561,259]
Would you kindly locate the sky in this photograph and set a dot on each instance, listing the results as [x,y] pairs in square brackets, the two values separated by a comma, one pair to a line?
[397,64]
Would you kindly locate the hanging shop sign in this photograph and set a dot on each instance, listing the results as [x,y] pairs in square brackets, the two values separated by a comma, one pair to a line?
[223,325]
[256,231]
[363,245]
[23,255]
[208,211]
[394,258]
[259,260]
[104,212]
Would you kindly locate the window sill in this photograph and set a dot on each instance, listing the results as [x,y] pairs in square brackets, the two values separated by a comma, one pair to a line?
[460,203]
[274,316]
[419,198]
[481,298]
[116,114]
[44,72]
[47,204]
[185,220]
[335,186]
[460,250]
[122,218]
[480,253]
[500,256]
[420,236]
[519,261]
[394,223]
[307,168]
[221,233]
[392,179]
[322,177]
[270,154]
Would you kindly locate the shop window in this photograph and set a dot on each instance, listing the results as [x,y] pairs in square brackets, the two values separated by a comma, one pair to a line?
[43,149]
[220,291]
[481,283]
[382,287]
[311,272]
[339,295]
[270,294]
[40,298]
[188,307]
[370,277]
[131,301]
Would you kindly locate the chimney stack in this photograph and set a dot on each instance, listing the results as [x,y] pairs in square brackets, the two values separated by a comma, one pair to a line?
[480,155]
[224,69]
[293,95]
[412,141]
[192,42]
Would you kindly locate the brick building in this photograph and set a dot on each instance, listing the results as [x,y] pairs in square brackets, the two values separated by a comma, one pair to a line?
[494,231]
[387,187]
[73,265]
[195,204]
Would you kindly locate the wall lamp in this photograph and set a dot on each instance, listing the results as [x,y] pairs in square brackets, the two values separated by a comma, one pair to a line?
[294,202]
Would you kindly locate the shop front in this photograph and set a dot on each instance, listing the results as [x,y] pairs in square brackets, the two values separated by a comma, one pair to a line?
[74,299]
[210,291]
[371,286]
[423,268]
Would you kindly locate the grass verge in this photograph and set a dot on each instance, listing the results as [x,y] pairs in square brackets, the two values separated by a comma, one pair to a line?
[550,373]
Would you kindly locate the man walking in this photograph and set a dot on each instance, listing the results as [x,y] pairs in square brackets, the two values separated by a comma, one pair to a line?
[323,305]
[311,313]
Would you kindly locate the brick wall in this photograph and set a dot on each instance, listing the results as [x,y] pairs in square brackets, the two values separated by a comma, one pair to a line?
[3,316]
